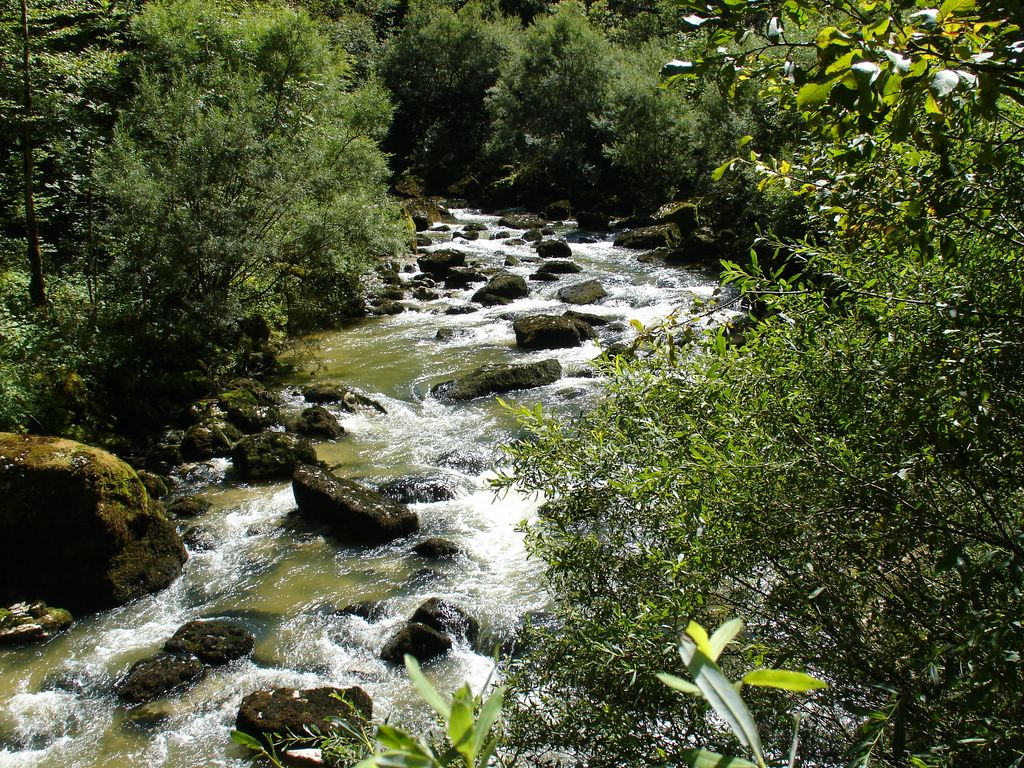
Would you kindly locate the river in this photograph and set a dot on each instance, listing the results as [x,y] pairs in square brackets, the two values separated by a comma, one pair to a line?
[252,561]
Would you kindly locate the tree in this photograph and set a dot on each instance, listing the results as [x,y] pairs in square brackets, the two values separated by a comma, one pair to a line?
[37,286]
[544,105]
[439,69]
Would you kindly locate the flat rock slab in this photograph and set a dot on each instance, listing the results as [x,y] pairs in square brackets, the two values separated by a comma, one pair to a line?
[353,512]
[31,623]
[214,642]
[587,292]
[287,710]
[498,378]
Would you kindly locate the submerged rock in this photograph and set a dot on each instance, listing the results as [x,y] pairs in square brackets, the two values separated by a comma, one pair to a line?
[78,528]
[327,711]
[271,454]
[157,676]
[497,378]
[420,490]
[188,506]
[437,548]
[587,292]
[214,642]
[421,642]
[550,332]
[502,289]
[448,618]
[371,610]
[31,622]
[351,511]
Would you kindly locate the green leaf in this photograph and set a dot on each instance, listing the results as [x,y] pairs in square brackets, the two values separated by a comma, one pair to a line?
[699,636]
[397,740]
[247,741]
[701,758]
[719,172]
[724,635]
[426,689]
[744,141]
[783,678]
[720,694]
[813,95]
[489,713]
[679,684]
[460,724]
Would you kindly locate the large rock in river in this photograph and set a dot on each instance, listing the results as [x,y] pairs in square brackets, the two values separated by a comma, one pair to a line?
[502,289]
[550,332]
[497,378]
[649,238]
[353,512]
[78,528]
[157,676]
[287,710]
[440,263]
[214,642]
[586,292]
[418,640]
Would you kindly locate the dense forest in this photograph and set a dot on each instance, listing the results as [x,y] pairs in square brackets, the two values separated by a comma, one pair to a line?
[189,185]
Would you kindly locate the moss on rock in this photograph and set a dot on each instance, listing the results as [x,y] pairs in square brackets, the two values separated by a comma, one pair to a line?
[78,527]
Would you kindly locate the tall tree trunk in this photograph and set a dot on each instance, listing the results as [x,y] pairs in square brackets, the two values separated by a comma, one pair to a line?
[36,286]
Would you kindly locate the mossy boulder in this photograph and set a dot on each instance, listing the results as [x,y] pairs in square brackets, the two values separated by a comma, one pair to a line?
[158,676]
[682,214]
[550,332]
[212,641]
[587,292]
[245,411]
[649,238]
[78,528]
[439,263]
[208,440]
[554,249]
[271,454]
[331,711]
[317,422]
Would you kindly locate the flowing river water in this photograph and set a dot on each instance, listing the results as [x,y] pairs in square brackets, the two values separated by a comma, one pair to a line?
[250,560]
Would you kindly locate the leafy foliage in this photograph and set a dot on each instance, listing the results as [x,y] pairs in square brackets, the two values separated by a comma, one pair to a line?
[847,473]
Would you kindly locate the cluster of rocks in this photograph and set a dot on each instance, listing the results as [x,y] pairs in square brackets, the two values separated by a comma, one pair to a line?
[429,632]
[31,622]
[188,655]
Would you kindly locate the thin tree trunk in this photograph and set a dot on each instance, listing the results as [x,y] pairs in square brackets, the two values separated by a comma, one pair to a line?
[36,286]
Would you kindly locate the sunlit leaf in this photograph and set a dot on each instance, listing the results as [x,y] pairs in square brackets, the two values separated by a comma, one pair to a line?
[726,633]
[701,758]
[720,693]
[784,679]
[679,684]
